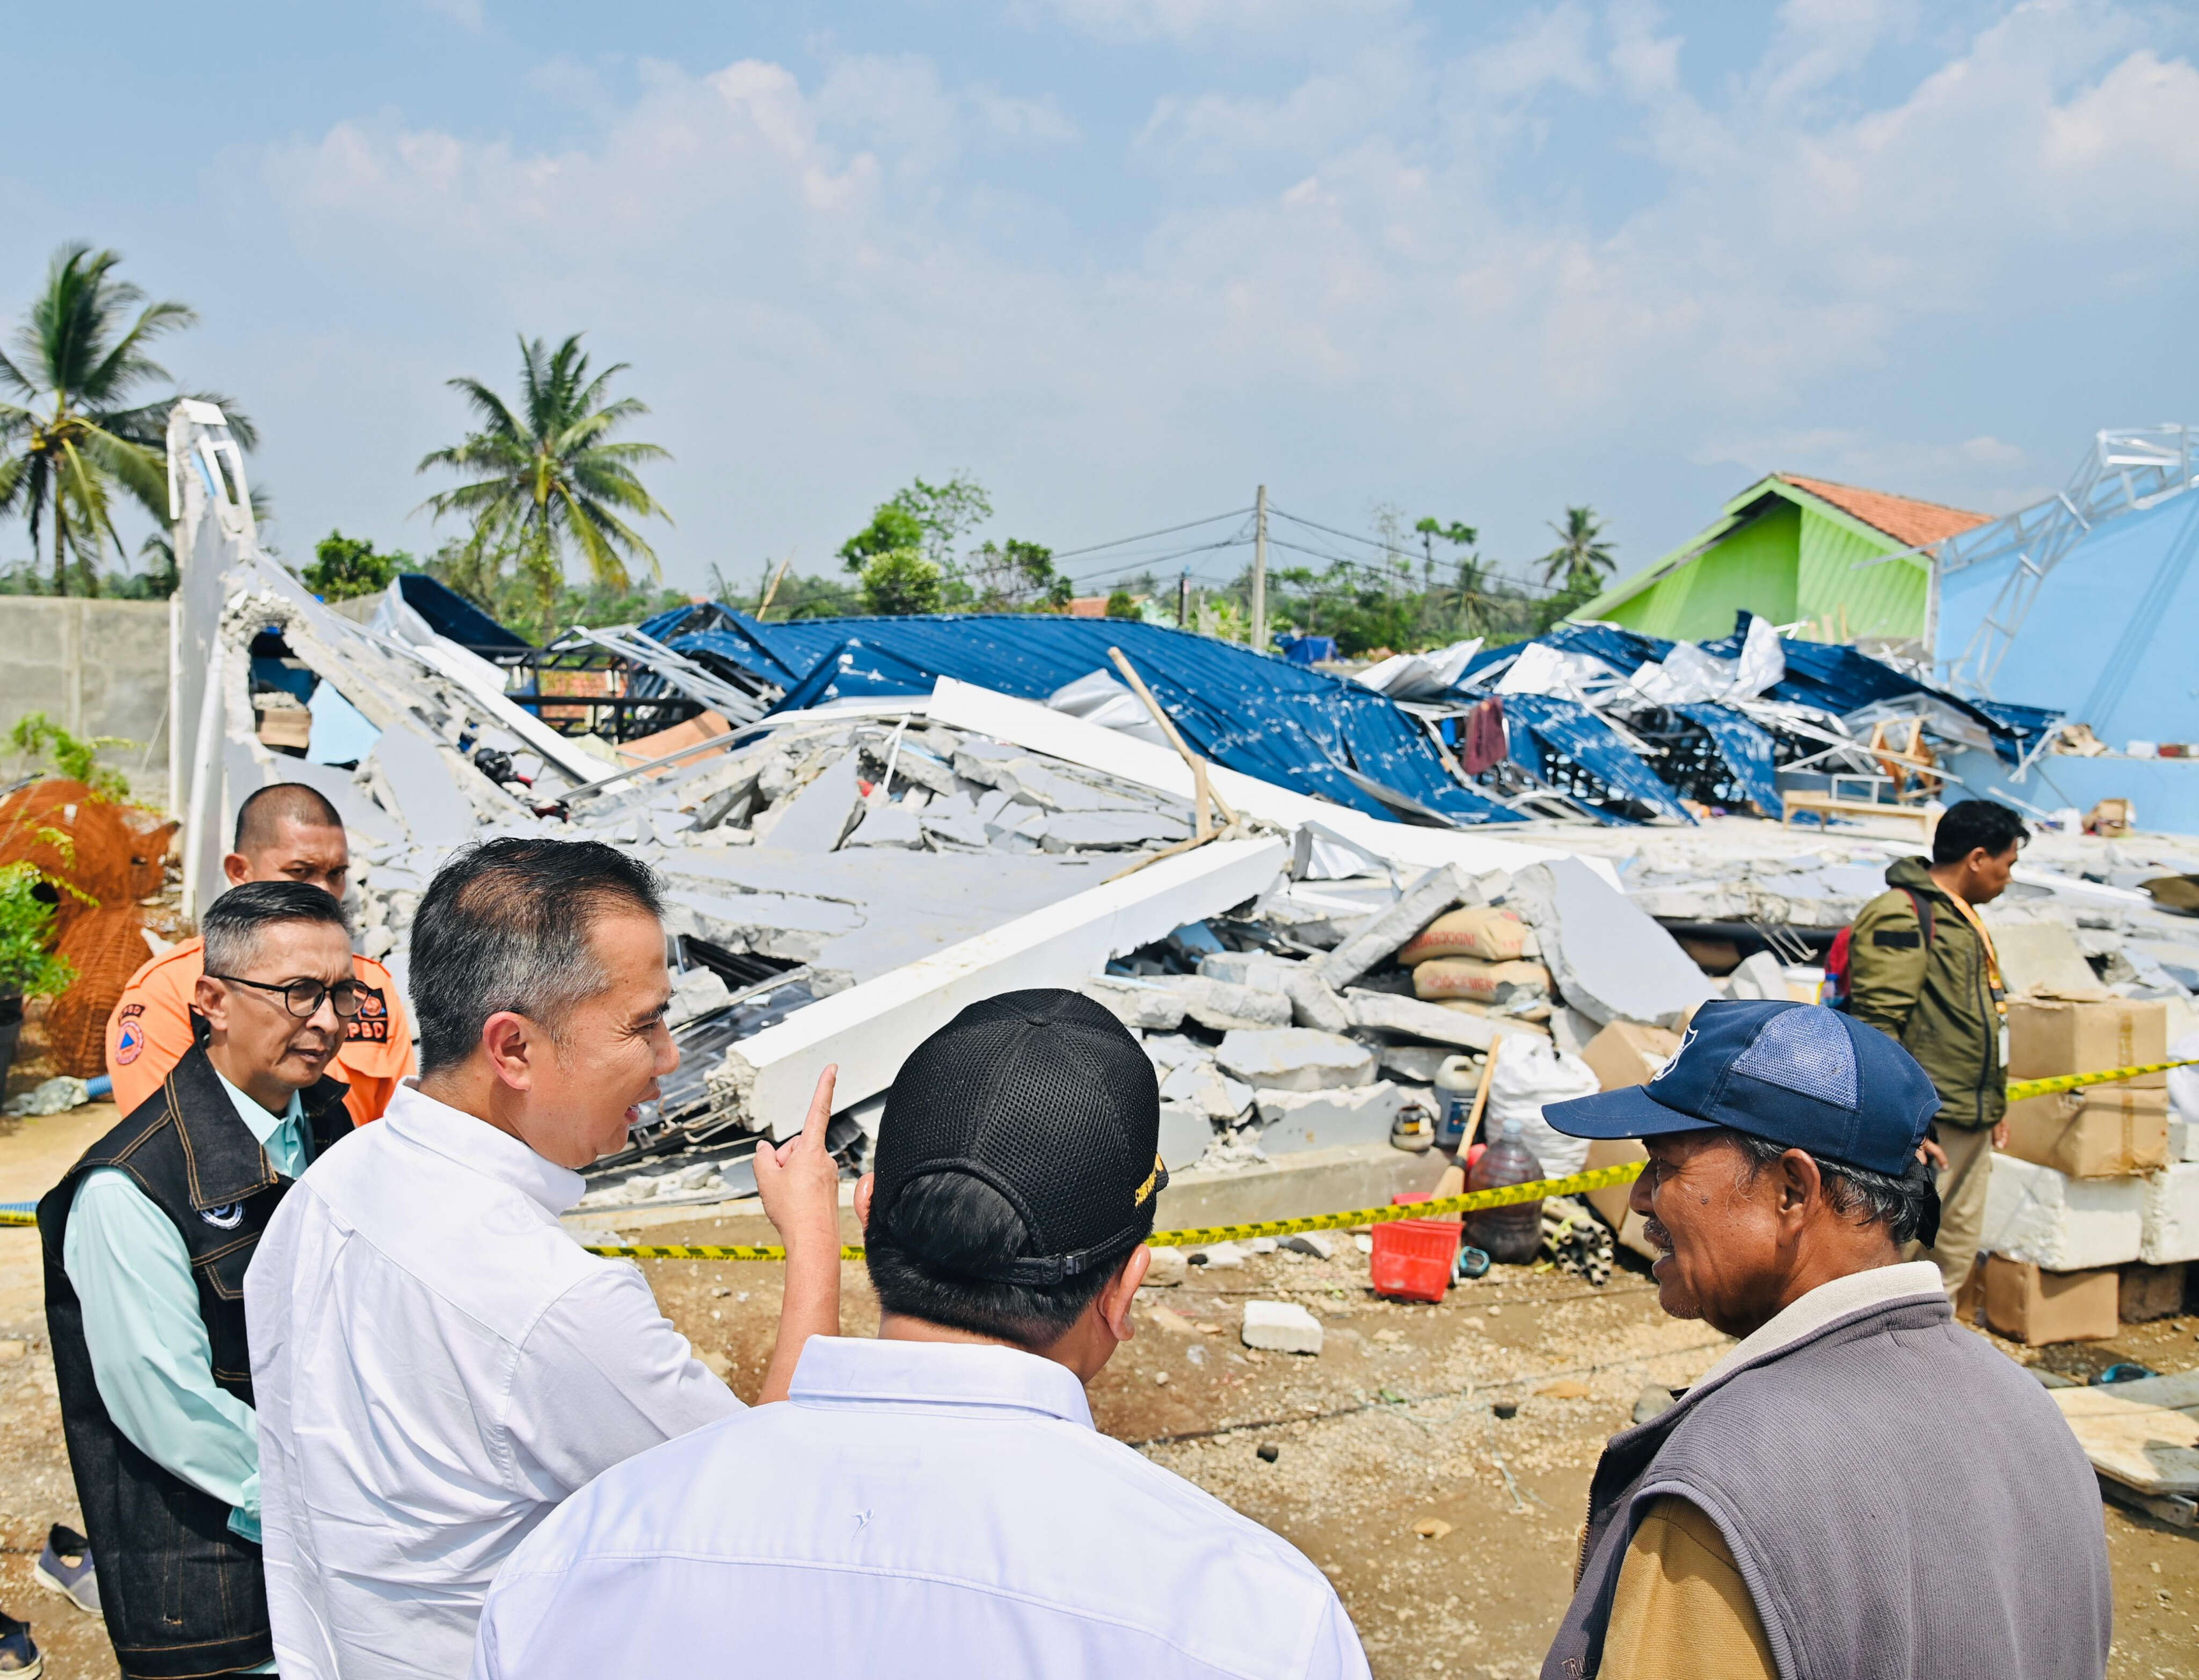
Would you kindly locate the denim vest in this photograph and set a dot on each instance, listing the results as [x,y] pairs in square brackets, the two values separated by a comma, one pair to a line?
[182,1595]
[1899,1497]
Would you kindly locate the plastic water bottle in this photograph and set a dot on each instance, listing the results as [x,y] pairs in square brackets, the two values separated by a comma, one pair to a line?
[1511,1235]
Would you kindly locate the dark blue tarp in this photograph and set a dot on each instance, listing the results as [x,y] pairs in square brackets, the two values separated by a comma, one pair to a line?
[1299,728]
[450,614]
[1747,748]
[1307,650]
[1568,727]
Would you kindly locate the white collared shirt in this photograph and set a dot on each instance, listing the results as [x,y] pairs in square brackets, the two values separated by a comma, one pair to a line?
[925,1510]
[436,1363]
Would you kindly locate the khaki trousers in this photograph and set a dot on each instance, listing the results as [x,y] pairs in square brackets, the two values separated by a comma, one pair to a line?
[1962,1203]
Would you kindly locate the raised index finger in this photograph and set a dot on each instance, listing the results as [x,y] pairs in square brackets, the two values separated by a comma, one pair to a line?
[820,1105]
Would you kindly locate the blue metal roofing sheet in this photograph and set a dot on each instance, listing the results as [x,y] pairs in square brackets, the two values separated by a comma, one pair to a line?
[1284,724]
[1746,748]
[1569,727]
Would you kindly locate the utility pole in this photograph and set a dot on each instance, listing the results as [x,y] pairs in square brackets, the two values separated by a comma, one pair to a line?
[1183,600]
[1260,571]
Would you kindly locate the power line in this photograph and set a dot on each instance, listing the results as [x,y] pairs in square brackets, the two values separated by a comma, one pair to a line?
[1146,562]
[1165,531]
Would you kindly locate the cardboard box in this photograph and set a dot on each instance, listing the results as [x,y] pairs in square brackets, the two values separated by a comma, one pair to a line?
[2049,1035]
[1610,1202]
[1625,1053]
[2150,1292]
[2103,1131]
[2036,1307]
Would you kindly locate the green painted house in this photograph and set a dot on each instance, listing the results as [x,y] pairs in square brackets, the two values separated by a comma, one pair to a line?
[1787,548]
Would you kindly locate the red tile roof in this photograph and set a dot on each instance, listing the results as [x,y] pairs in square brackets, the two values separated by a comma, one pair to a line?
[1907,521]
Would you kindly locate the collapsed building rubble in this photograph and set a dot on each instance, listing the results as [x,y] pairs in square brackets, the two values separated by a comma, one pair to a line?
[1281,887]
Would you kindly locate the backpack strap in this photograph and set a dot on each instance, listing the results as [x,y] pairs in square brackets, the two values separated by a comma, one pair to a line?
[1923,913]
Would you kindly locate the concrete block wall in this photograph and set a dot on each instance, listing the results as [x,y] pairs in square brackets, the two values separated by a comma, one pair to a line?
[96,668]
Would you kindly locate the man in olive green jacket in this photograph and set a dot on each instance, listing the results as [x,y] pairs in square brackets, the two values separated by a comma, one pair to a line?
[1922,969]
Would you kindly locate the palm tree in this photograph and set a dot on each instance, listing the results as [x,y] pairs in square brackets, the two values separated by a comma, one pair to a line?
[1578,564]
[549,476]
[83,441]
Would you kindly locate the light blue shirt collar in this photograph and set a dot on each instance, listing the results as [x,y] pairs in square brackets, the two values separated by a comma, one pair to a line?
[282,1135]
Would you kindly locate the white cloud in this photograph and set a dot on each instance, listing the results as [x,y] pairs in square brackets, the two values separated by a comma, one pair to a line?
[466,14]
[1187,19]
[818,286]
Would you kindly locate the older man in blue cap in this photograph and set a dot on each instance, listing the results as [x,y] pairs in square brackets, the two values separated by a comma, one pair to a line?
[1790,1514]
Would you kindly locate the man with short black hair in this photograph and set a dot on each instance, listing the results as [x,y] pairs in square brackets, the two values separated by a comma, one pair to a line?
[1922,969]
[147,1240]
[937,1504]
[287,832]
[1785,1516]
[437,1361]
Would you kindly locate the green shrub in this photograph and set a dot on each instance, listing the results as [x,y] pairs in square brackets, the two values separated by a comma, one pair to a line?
[28,967]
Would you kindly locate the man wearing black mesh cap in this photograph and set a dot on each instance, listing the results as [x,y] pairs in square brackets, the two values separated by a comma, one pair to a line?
[937,1504]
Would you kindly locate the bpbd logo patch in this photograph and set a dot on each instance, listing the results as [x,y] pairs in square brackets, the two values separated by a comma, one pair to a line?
[372,1023]
[129,1039]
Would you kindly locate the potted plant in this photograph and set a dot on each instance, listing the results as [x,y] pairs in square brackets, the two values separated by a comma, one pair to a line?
[27,968]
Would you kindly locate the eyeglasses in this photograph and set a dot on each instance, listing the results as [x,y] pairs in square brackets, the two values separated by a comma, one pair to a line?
[302,998]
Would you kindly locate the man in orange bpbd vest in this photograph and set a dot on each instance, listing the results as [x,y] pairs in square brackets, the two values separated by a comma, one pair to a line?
[285,832]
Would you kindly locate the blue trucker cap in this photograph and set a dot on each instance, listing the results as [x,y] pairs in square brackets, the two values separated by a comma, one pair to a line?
[1795,1074]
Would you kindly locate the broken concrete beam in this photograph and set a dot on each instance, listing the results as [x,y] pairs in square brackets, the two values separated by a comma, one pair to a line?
[1417,1062]
[1436,1023]
[1295,1058]
[870,1029]
[1610,960]
[1214,1003]
[1138,1004]
[1439,890]
[1264,969]
[1298,1120]
[1203,1087]
[1313,1002]
[1280,1327]
[1185,1134]
[2064,1224]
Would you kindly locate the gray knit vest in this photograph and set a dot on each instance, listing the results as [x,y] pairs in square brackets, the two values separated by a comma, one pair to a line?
[1901,1499]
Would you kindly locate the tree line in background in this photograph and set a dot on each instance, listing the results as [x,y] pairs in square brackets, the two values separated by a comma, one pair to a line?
[548,480]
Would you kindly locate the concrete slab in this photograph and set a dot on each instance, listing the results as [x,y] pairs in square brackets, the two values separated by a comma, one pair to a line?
[1610,960]
[816,819]
[869,1030]
[1410,1018]
[1185,1134]
[1203,1087]
[1302,1120]
[1281,1327]
[1295,1059]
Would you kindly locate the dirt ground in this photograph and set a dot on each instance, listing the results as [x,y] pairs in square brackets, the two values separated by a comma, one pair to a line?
[1390,1431]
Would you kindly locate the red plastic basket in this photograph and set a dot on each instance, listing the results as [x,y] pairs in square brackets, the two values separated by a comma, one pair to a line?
[1413,1258]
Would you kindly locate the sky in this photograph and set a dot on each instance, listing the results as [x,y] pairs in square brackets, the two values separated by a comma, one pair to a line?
[1122,260]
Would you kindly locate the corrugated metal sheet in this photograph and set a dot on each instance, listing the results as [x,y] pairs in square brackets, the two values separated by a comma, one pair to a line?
[1299,728]
[1747,748]
[1568,727]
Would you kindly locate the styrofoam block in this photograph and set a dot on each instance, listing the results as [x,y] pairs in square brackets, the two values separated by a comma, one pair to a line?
[1281,1327]
[2064,1224]
[2172,1215]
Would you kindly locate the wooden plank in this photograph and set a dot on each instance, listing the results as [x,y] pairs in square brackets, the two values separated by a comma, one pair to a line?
[2144,1434]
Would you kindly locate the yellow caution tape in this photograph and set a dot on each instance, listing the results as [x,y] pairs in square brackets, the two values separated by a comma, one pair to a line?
[1199,1236]
[2018,1089]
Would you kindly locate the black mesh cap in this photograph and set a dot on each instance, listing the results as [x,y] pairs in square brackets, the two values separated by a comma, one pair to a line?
[1045,1096]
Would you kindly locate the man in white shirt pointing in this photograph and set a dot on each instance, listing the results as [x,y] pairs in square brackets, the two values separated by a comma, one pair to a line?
[437,1361]
[935,1504]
